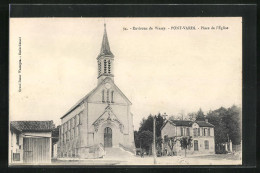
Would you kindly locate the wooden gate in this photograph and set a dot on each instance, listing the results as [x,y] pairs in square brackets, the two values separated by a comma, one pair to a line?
[36,150]
[107,137]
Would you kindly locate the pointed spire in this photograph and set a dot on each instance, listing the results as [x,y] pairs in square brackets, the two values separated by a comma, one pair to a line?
[105,48]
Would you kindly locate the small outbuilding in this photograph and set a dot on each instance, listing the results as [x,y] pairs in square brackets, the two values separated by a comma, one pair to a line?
[30,141]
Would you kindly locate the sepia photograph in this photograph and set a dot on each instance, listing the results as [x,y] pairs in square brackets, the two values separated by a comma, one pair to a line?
[125,91]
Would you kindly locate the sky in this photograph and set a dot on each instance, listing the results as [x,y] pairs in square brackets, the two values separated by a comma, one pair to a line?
[169,70]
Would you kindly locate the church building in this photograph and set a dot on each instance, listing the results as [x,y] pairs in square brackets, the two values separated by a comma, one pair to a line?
[100,120]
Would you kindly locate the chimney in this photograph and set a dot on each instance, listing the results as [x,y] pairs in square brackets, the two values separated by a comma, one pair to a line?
[206,120]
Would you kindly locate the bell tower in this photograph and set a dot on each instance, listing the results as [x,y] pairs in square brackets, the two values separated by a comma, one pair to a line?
[105,60]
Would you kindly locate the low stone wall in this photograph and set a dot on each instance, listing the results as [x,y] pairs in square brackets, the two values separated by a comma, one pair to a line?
[132,150]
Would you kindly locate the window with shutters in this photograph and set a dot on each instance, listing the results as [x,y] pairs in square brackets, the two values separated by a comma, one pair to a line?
[188,131]
[208,131]
[17,139]
[198,131]
[195,132]
[61,129]
[181,131]
[205,131]
[206,142]
[12,138]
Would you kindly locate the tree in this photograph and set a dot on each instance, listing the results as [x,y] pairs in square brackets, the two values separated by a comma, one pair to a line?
[233,124]
[216,118]
[159,142]
[227,124]
[186,142]
[147,124]
[192,116]
[170,141]
[200,115]
[146,140]
[137,139]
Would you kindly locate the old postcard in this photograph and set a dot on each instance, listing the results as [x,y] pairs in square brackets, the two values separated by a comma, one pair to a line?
[125,91]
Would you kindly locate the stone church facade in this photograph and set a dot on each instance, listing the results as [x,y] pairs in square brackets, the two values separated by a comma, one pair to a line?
[102,119]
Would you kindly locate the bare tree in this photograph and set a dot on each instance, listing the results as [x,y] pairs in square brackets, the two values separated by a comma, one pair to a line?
[170,141]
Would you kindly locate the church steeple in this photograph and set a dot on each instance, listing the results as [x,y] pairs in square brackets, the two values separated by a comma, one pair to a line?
[105,59]
[105,48]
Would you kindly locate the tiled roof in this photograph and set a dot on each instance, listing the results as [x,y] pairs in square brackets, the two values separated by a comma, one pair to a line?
[204,124]
[189,123]
[181,122]
[33,125]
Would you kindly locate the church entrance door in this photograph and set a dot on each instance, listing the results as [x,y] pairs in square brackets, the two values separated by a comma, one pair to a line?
[108,137]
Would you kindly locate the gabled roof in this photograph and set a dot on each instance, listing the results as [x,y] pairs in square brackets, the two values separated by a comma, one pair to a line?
[105,48]
[204,124]
[85,98]
[32,126]
[79,102]
[187,123]
[182,123]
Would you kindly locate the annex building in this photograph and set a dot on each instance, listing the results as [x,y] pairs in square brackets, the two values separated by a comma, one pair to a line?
[202,133]
[30,142]
[100,120]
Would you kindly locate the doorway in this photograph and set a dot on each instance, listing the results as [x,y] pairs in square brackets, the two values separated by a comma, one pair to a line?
[107,137]
[196,145]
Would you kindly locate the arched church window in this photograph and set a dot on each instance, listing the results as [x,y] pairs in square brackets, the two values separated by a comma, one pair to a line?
[80,118]
[112,96]
[107,95]
[109,67]
[103,96]
[105,66]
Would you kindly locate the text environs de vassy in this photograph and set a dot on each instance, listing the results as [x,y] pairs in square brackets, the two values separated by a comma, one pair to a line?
[165,28]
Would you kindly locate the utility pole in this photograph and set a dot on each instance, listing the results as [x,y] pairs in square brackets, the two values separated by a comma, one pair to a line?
[154,147]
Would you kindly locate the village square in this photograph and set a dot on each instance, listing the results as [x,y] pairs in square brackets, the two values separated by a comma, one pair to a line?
[99,130]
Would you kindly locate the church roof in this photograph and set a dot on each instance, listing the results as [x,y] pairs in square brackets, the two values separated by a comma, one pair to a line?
[93,91]
[105,48]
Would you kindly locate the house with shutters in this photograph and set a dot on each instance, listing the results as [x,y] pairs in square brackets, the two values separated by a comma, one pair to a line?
[102,119]
[202,133]
[30,142]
